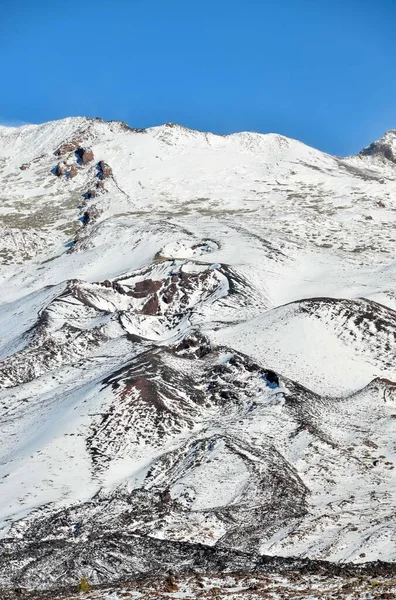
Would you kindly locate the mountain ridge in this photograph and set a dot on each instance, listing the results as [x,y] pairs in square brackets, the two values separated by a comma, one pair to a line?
[81,120]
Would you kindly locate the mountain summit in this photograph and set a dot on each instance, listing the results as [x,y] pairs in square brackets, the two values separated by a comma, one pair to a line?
[384,148]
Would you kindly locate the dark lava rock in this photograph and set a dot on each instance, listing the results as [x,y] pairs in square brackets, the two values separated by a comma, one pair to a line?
[146,287]
[90,215]
[85,155]
[60,169]
[381,149]
[73,171]
[151,306]
[193,346]
[112,284]
[105,170]
[91,193]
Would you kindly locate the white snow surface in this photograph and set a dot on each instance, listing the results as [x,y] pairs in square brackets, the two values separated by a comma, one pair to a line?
[253,226]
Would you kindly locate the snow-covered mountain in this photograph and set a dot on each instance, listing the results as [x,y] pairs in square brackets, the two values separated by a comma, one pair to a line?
[153,283]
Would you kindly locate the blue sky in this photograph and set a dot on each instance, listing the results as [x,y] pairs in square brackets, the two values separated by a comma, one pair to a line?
[322,71]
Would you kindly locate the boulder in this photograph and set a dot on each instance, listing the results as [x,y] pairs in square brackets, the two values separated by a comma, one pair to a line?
[24,166]
[85,155]
[90,215]
[104,170]
[370,444]
[85,219]
[91,193]
[73,171]
[94,212]
[169,293]
[61,169]
[171,585]
[166,497]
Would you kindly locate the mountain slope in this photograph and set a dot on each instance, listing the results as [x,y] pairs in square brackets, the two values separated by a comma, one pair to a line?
[154,282]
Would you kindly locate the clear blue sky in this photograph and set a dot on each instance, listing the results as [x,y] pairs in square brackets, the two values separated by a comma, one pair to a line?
[322,71]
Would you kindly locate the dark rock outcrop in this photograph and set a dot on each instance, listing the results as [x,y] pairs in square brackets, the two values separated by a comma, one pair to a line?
[25,166]
[146,287]
[73,171]
[60,169]
[381,149]
[67,147]
[151,306]
[84,155]
[104,169]
[90,215]
[126,127]
[91,193]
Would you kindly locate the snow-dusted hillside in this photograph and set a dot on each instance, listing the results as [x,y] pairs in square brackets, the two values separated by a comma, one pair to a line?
[149,281]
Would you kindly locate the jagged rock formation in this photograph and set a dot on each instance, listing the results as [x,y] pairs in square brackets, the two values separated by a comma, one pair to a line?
[61,169]
[104,170]
[73,171]
[85,155]
[384,148]
[67,148]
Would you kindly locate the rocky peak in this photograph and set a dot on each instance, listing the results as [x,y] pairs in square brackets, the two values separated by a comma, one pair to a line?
[384,148]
